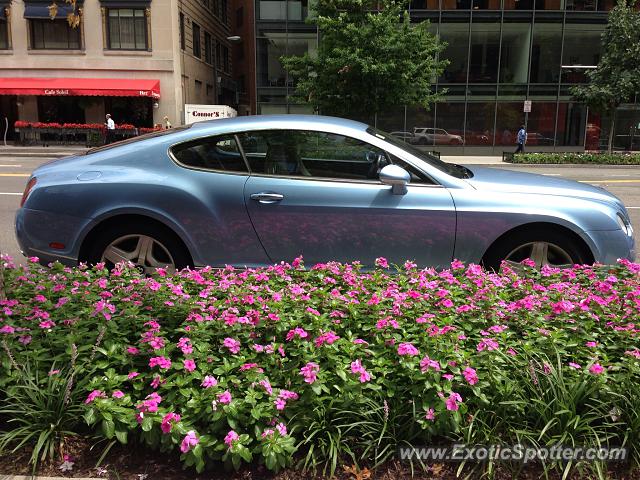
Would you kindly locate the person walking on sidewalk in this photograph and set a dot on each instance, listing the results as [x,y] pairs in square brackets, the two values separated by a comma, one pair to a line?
[522,139]
[111,129]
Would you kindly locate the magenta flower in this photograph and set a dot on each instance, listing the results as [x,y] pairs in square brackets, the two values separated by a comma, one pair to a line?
[230,438]
[93,395]
[407,349]
[591,344]
[356,367]
[426,363]
[117,394]
[133,351]
[282,429]
[132,375]
[7,329]
[382,262]
[452,401]
[189,365]
[232,344]
[596,369]
[189,441]
[224,397]
[167,420]
[470,375]
[209,381]
[487,344]
[296,332]
[162,362]
[310,372]
[430,415]
[575,365]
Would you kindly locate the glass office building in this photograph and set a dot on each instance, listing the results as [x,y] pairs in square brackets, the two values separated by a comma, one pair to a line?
[501,53]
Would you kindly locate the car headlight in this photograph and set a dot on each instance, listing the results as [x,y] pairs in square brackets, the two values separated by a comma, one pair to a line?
[625,224]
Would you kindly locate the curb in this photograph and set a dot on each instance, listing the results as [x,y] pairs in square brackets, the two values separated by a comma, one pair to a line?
[568,165]
[38,154]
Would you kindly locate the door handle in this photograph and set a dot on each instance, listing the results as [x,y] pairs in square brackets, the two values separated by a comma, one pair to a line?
[266,197]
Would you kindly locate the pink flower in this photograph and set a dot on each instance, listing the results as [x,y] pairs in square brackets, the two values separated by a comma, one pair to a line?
[46,324]
[596,369]
[266,385]
[189,365]
[591,344]
[230,438]
[575,365]
[132,375]
[133,351]
[430,415]
[487,344]
[282,429]
[209,381]
[224,397]
[166,424]
[452,401]
[7,329]
[232,344]
[426,363]
[162,362]
[407,349]
[382,262]
[93,395]
[189,441]
[117,394]
[356,367]
[328,338]
[470,375]
[310,372]
[296,332]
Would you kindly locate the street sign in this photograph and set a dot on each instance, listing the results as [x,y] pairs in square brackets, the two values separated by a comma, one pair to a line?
[527,106]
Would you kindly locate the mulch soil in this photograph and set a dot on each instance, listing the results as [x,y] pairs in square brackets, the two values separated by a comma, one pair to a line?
[135,462]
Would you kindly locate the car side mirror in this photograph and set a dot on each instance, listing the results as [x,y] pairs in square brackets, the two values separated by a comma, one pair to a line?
[397,177]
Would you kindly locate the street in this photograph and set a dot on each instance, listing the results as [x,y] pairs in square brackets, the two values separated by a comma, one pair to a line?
[623,181]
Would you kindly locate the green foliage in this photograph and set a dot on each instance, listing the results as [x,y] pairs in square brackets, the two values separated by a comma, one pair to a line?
[42,412]
[401,358]
[368,61]
[577,158]
[617,78]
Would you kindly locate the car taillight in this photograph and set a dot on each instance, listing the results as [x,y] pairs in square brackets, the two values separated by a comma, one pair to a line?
[27,190]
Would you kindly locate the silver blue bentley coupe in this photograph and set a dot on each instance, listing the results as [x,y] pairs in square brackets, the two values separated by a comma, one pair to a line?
[251,191]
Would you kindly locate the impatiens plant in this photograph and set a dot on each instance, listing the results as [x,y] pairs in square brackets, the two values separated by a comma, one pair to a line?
[288,366]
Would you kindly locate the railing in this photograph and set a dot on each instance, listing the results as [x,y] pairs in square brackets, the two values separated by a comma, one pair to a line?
[90,137]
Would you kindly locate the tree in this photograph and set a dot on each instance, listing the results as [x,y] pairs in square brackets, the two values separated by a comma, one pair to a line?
[616,80]
[369,59]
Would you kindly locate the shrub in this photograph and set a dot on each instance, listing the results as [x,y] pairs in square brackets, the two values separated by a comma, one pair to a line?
[578,158]
[317,367]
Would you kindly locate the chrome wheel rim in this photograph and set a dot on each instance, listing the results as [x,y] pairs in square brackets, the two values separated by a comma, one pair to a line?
[145,252]
[541,253]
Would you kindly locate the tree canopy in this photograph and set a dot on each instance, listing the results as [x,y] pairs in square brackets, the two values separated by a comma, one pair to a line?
[370,58]
[616,79]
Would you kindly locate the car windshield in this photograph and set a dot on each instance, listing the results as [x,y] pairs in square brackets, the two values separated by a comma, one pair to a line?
[139,138]
[457,171]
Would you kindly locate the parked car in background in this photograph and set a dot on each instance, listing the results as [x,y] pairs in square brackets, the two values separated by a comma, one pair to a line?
[253,191]
[435,136]
[534,138]
[408,137]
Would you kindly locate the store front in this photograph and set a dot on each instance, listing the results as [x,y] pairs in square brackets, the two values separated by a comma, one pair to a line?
[80,100]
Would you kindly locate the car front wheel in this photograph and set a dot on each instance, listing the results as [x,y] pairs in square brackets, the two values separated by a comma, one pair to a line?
[551,248]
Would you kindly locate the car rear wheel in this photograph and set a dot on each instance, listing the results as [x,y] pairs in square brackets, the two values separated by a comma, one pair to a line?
[147,246]
[543,248]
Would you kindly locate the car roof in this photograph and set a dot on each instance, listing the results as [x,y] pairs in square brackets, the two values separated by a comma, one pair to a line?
[295,121]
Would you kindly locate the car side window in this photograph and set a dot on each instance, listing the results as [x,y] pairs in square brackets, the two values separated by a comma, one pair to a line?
[311,154]
[211,153]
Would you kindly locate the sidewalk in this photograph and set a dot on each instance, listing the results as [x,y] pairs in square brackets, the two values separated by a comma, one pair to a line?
[55,151]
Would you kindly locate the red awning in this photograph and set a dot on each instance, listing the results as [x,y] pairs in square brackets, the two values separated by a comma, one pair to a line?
[102,87]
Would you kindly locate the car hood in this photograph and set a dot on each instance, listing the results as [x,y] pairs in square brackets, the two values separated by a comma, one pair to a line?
[499,180]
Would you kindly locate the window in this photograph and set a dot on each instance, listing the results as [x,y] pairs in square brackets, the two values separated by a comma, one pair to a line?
[127,29]
[196,39]
[53,34]
[4,31]
[182,40]
[218,56]
[316,154]
[223,16]
[213,153]
[208,57]
[225,59]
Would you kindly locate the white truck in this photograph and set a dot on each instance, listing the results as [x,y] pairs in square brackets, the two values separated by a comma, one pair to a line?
[197,113]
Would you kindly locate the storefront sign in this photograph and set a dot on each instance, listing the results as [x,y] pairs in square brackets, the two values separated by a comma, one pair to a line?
[56,91]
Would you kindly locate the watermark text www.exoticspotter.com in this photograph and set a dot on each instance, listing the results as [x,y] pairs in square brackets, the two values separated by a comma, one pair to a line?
[512,453]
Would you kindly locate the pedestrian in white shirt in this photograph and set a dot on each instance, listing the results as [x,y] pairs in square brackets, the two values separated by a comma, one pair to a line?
[111,129]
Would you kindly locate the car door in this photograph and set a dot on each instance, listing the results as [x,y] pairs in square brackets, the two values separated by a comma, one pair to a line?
[317,194]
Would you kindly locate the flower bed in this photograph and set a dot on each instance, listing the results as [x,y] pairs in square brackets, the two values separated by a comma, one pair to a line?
[328,365]
[577,158]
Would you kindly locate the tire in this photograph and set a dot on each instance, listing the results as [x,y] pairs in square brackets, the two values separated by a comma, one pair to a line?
[163,248]
[562,249]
